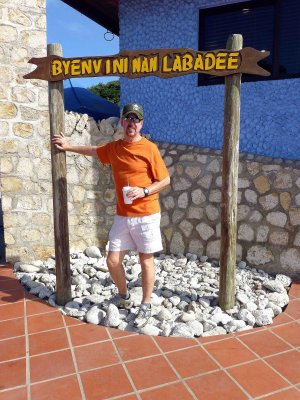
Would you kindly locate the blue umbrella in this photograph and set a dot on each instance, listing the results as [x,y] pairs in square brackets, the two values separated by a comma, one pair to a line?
[82,101]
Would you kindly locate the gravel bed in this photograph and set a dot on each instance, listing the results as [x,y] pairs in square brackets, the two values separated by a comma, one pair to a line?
[184,300]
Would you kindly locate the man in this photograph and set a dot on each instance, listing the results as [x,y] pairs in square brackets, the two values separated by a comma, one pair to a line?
[136,162]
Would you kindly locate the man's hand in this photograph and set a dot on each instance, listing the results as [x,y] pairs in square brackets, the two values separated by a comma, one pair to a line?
[60,142]
[135,193]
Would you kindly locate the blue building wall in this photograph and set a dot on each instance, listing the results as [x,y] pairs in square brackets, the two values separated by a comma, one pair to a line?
[178,110]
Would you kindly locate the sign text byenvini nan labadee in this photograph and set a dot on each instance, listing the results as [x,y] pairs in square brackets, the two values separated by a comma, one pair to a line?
[164,63]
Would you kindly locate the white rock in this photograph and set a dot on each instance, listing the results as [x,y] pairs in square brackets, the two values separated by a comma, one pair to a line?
[150,330]
[275,286]
[181,262]
[93,252]
[167,265]
[37,263]
[237,323]
[182,330]
[164,315]
[250,306]
[204,302]
[175,300]
[280,299]
[262,303]
[156,300]
[136,269]
[112,318]
[242,298]
[29,268]
[96,288]
[263,317]
[196,327]
[276,309]
[95,315]
[188,316]
[218,330]
[222,318]
[284,279]
[48,279]
[208,326]
[166,327]
[79,280]
[90,271]
[95,298]
[246,316]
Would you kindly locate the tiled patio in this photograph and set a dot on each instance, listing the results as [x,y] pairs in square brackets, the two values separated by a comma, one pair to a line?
[44,355]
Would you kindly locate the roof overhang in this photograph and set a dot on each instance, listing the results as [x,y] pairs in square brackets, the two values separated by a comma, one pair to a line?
[105,12]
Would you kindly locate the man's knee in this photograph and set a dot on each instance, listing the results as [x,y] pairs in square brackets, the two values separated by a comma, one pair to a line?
[114,259]
[146,260]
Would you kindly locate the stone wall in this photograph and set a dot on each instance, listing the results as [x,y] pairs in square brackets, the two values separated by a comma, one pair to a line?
[24,131]
[268,207]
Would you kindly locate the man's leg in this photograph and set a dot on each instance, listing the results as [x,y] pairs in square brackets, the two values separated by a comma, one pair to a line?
[148,276]
[114,263]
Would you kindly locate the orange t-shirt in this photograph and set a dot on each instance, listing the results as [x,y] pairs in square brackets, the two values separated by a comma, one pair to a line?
[134,164]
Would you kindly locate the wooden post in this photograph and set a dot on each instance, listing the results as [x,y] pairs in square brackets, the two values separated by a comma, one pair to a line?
[230,182]
[59,185]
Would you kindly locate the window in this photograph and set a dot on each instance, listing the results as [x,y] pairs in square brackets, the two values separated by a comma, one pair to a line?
[265,25]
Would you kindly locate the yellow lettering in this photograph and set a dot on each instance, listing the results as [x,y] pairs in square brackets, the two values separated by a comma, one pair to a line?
[75,67]
[125,65]
[233,61]
[221,61]
[136,65]
[118,66]
[97,65]
[209,61]
[107,67]
[86,66]
[199,63]
[177,64]
[66,65]
[165,65]
[56,68]
[153,64]
[145,66]
[187,62]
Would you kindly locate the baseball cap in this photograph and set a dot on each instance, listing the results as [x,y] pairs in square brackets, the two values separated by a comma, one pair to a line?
[133,108]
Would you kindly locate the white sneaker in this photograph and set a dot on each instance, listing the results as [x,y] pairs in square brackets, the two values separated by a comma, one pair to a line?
[143,316]
[125,303]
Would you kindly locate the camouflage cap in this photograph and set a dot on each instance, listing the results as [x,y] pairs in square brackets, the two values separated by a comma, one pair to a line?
[133,108]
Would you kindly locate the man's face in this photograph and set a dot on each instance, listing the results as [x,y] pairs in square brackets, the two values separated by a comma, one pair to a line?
[131,128]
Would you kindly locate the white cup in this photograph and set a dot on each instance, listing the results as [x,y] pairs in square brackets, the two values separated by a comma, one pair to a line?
[127,200]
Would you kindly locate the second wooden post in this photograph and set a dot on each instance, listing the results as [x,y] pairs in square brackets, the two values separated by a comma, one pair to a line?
[230,182]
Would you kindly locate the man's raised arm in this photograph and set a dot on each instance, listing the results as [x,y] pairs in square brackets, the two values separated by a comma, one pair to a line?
[61,143]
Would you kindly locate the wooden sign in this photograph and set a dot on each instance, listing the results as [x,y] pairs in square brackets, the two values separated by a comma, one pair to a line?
[164,63]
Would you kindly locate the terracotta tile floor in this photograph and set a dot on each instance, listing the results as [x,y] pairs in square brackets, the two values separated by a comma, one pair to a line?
[46,355]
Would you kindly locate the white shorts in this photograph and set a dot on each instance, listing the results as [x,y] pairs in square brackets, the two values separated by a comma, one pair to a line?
[141,234]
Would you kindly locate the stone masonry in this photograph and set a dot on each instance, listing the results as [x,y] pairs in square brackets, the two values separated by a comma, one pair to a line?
[24,131]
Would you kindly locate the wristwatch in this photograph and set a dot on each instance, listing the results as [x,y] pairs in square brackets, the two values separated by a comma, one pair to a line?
[146,191]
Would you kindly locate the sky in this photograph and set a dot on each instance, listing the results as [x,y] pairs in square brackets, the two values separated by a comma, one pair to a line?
[79,37]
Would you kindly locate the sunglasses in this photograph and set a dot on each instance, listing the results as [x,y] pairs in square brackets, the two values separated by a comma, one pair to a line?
[132,119]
